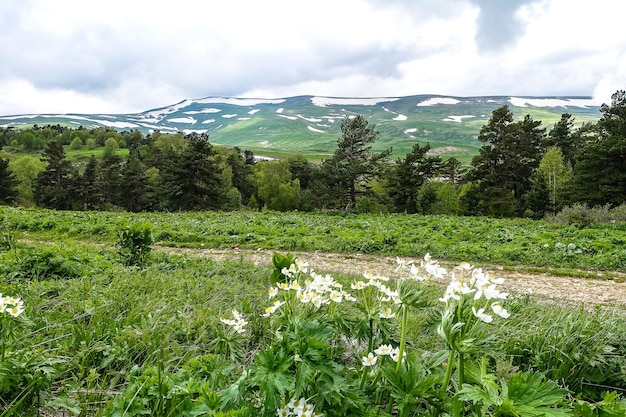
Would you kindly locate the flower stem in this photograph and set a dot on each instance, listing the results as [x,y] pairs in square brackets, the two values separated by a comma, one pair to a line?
[403,330]
[461,370]
[446,378]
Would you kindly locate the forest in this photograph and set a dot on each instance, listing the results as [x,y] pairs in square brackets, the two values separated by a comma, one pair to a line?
[523,169]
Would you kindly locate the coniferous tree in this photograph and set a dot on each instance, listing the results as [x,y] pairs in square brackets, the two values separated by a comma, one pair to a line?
[353,164]
[8,183]
[409,174]
[562,136]
[111,168]
[504,165]
[134,183]
[242,173]
[599,176]
[192,178]
[89,188]
[54,186]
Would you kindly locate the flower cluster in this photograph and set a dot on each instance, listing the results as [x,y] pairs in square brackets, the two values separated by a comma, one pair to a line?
[479,285]
[378,282]
[383,350]
[238,323]
[317,289]
[428,265]
[13,306]
[298,408]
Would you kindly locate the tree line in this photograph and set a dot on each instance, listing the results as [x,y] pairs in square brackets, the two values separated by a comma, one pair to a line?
[521,170]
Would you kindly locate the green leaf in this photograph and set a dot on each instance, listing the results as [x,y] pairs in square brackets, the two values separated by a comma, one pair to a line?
[280,261]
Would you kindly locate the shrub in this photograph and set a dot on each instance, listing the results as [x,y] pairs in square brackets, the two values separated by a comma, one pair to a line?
[135,243]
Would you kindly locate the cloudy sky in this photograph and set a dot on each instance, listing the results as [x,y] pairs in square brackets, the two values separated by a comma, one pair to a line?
[114,56]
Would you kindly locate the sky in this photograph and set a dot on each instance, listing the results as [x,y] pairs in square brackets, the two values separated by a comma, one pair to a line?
[114,56]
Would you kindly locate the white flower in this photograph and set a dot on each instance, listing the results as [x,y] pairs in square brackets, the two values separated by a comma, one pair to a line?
[272,292]
[500,311]
[272,309]
[336,296]
[383,350]
[395,353]
[402,264]
[301,266]
[369,360]
[283,412]
[238,324]
[386,314]
[480,314]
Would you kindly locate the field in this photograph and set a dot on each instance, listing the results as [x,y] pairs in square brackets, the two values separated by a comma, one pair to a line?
[103,333]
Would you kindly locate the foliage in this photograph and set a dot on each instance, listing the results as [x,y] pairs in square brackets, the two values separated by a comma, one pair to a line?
[409,174]
[505,164]
[353,164]
[584,216]
[8,183]
[135,243]
[171,354]
[600,169]
[275,187]
[54,185]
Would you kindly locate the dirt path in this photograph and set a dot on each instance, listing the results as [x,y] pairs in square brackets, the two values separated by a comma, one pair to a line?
[609,293]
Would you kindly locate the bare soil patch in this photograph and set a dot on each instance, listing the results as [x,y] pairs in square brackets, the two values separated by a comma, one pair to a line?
[559,289]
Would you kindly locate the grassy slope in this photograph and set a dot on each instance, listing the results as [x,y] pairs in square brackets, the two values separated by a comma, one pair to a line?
[298,126]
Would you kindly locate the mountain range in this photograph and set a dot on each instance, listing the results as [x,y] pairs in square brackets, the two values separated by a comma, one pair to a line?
[311,124]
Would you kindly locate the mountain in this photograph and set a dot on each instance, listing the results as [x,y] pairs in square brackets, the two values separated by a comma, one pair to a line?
[311,124]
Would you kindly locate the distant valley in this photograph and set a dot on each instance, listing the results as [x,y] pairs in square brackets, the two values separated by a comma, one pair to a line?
[311,124]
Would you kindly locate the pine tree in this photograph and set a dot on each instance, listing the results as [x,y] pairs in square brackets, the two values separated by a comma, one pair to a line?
[409,174]
[8,183]
[600,165]
[504,165]
[54,186]
[354,164]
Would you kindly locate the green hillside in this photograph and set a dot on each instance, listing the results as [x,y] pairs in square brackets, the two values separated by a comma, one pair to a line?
[311,125]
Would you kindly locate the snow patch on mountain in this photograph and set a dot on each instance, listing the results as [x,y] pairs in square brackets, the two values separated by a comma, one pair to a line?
[551,102]
[438,100]
[209,110]
[312,129]
[239,101]
[330,101]
[457,119]
[190,120]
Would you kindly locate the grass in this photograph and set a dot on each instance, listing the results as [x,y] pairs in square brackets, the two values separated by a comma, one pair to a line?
[483,240]
[100,323]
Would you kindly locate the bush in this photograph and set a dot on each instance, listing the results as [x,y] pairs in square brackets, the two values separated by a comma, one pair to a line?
[135,243]
[583,215]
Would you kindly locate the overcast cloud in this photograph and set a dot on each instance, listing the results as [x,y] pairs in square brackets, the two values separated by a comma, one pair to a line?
[114,56]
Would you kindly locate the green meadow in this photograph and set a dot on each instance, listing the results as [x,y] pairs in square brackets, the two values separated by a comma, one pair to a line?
[106,334]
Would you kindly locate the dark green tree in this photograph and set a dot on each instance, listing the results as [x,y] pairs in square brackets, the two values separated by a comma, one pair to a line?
[8,183]
[134,184]
[192,178]
[353,164]
[242,174]
[506,163]
[111,179]
[563,136]
[409,174]
[599,176]
[89,187]
[55,185]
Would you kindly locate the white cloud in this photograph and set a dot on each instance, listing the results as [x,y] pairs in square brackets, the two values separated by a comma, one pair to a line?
[118,56]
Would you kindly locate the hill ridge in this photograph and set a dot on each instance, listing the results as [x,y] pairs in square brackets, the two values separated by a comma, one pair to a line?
[310,124]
